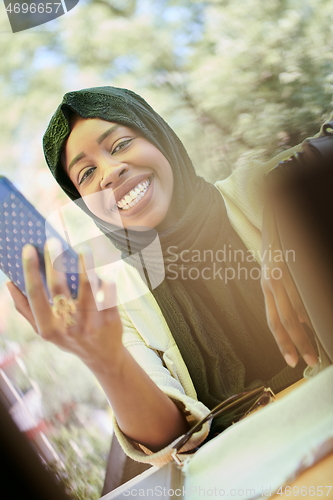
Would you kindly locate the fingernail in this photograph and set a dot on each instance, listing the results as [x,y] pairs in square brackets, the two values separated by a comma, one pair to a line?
[100,296]
[290,360]
[310,359]
[28,252]
[84,250]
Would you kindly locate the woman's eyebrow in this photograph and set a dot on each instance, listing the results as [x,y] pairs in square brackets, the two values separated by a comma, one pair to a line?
[108,132]
[75,160]
[99,140]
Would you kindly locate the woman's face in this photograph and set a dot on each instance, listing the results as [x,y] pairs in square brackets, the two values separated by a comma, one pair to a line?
[122,178]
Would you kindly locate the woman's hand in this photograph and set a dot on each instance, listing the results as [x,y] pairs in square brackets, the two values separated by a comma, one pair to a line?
[96,339]
[96,335]
[285,311]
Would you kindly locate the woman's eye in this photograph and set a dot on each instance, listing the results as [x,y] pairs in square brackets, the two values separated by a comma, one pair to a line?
[87,173]
[121,145]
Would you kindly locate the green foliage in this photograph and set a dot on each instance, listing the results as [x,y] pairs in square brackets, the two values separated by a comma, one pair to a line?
[62,378]
[234,79]
[84,456]
[230,77]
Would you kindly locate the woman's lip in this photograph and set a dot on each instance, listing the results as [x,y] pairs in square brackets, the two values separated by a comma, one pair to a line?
[127,186]
[141,205]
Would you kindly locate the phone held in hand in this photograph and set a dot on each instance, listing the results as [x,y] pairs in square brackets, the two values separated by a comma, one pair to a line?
[20,224]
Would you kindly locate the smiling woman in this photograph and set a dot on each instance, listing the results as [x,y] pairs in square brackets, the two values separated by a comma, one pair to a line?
[167,358]
[133,178]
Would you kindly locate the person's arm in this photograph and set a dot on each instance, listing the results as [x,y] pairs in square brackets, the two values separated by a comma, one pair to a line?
[292,187]
[150,342]
[243,193]
[144,413]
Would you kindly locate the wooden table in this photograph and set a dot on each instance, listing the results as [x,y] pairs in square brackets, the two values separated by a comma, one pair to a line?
[321,474]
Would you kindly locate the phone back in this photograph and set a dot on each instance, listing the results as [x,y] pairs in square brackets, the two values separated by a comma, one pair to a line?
[20,224]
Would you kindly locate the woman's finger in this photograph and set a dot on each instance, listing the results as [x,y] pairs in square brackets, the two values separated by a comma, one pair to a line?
[96,299]
[89,282]
[280,334]
[36,294]
[295,298]
[109,294]
[21,304]
[291,323]
[55,278]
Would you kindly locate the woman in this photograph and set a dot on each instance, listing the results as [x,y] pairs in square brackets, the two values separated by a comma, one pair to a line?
[199,336]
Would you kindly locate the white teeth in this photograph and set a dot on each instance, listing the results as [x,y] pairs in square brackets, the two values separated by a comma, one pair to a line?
[134,196]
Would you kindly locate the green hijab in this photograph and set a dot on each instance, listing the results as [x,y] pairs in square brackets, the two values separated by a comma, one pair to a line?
[220,328]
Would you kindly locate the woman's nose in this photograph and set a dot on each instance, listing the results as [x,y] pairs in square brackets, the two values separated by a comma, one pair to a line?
[111,173]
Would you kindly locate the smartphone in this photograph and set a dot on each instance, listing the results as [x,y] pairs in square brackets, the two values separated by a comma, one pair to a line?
[21,223]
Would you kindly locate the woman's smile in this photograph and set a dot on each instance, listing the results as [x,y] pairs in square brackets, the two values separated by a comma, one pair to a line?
[122,177]
[134,195]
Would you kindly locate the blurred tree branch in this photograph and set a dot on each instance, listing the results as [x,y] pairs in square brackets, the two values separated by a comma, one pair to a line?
[126,8]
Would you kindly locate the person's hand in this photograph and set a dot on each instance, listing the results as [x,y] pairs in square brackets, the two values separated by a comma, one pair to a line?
[96,335]
[285,311]
[96,338]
